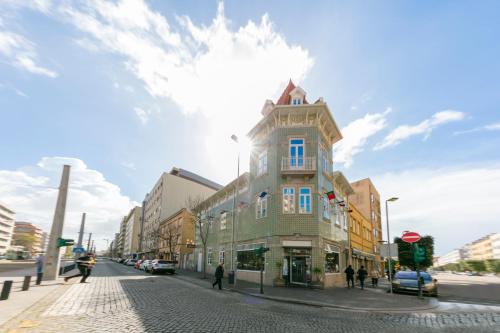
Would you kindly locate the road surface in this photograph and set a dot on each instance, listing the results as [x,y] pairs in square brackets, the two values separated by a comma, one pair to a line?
[122,299]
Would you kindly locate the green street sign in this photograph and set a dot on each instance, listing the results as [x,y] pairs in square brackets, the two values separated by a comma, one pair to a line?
[61,242]
[419,254]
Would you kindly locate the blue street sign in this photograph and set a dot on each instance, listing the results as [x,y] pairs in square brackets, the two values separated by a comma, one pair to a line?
[78,250]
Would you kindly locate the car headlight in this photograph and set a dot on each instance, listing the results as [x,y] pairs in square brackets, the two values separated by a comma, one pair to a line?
[396,281]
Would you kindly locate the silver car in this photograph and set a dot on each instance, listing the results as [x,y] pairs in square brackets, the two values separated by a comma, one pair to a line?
[161,266]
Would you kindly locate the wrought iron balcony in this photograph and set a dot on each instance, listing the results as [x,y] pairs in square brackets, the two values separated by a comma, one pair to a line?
[298,165]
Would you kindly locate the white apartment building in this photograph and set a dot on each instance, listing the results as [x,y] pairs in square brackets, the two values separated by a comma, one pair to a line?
[6,228]
[171,193]
[132,229]
[451,257]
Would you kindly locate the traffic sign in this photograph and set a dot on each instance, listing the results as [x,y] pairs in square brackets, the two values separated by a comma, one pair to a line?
[410,237]
[78,250]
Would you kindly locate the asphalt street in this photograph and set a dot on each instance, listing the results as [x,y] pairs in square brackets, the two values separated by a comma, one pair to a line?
[122,299]
[469,289]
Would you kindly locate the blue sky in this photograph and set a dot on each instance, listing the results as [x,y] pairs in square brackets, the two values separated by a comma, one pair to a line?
[126,90]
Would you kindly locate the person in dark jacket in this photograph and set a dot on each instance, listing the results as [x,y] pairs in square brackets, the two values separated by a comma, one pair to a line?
[362,273]
[219,273]
[349,274]
[85,265]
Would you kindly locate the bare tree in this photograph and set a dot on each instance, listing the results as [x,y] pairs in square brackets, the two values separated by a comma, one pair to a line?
[198,206]
[171,237]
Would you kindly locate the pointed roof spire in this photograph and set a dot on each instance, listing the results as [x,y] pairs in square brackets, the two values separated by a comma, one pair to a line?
[285,96]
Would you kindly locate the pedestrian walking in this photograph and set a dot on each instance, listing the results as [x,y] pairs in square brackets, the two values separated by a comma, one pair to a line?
[39,268]
[85,265]
[349,274]
[375,275]
[219,273]
[362,273]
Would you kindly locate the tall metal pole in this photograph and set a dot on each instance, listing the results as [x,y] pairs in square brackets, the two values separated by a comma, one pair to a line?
[88,242]
[389,269]
[80,236]
[92,246]
[52,261]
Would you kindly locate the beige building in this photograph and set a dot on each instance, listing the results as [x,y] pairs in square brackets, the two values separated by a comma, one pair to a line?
[362,241]
[177,233]
[28,235]
[367,201]
[132,229]
[487,247]
[170,193]
[6,228]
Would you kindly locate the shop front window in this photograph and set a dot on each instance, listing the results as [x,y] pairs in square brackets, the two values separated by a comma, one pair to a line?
[332,262]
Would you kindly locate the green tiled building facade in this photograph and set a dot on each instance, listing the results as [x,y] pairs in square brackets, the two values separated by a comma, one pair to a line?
[290,201]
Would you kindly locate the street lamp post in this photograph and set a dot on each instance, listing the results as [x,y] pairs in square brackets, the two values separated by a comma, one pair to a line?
[235,139]
[389,270]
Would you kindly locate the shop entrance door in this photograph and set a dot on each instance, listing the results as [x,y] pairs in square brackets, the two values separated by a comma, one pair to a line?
[298,270]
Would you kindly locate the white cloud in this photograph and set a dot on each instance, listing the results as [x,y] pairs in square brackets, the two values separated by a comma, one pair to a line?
[455,205]
[493,127]
[20,52]
[490,127]
[356,135]
[129,165]
[426,127]
[32,192]
[142,114]
[220,73]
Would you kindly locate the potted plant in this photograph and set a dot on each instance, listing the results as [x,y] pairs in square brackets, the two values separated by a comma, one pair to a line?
[318,282]
[279,281]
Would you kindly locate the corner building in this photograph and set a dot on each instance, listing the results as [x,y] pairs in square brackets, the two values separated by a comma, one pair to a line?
[285,205]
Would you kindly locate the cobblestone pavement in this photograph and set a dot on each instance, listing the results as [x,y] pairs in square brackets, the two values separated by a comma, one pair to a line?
[121,299]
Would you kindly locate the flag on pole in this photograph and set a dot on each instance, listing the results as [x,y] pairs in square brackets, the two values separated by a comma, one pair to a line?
[330,195]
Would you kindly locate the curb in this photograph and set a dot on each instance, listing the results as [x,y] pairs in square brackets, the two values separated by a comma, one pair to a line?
[433,304]
[333,306]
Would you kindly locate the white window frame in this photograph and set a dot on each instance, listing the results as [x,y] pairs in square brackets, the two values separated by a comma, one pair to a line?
[296,101]
[209,256]
[288,193]
[262,163]
[223,221]
[222,255]
[297,158]
[326,207]
[261,207]
[303,210]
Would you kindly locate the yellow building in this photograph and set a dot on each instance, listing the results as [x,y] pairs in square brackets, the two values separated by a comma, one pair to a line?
[176,235]
[362,242]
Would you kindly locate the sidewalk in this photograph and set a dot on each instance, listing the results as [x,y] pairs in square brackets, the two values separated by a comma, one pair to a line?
[370,299]
[19,300]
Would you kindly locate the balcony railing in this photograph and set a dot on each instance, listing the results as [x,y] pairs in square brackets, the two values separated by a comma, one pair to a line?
[301,165]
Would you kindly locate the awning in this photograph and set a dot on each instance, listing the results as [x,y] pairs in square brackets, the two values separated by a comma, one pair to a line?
[362,255]
[331,248]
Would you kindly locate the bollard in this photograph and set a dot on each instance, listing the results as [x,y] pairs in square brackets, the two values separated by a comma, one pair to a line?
[26,283]
[6,290]
[39,277]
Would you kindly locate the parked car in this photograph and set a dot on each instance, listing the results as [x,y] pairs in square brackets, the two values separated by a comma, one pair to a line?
[121,261]
[161,266]
[144,265]
[138,264]
[406,281]
[130,262]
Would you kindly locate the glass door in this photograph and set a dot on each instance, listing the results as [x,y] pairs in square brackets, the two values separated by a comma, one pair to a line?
[297,153]
[298,270]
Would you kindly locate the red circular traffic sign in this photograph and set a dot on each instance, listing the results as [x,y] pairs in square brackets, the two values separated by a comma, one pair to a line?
[410,237]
